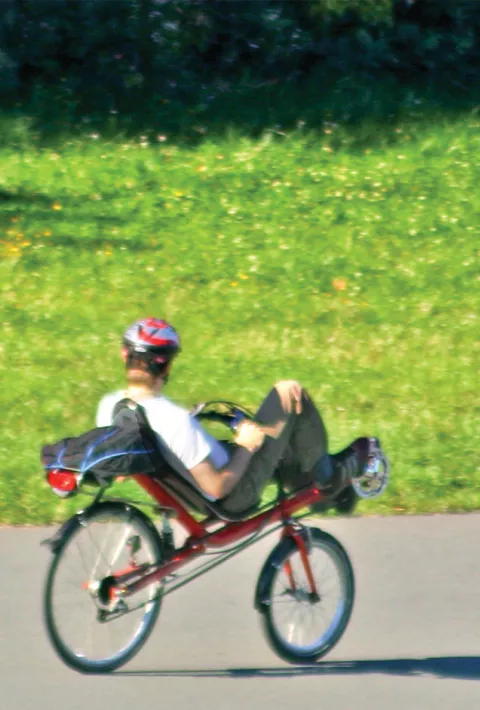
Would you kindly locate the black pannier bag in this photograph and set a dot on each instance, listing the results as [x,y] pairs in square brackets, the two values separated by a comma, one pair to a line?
[126,447]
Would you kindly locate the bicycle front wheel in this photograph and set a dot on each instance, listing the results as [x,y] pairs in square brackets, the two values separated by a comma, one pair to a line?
[303,624]
[92,629]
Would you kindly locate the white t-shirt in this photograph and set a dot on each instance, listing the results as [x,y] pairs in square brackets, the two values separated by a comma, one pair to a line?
[178,433]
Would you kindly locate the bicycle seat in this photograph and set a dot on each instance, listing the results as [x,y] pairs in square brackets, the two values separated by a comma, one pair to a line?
[193,499]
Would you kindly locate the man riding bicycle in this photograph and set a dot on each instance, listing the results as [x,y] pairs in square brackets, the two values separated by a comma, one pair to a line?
[287,433]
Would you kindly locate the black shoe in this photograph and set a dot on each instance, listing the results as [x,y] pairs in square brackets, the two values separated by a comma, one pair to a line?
[361,454]
[346,465]
[362,457]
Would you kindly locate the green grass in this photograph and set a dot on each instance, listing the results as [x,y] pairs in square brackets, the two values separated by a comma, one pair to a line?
[346,258]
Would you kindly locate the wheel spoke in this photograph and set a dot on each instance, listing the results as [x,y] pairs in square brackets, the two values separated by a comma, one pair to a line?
[120,548]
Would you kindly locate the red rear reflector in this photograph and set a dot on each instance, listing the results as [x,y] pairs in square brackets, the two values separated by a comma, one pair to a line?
[65,481]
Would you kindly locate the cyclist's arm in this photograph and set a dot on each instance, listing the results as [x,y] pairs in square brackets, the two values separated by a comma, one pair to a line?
[219,483]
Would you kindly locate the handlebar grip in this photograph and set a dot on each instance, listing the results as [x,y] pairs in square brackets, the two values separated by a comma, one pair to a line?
[236,420]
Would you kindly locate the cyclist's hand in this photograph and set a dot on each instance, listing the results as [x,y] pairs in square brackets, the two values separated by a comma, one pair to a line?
[290,393]
[250,436]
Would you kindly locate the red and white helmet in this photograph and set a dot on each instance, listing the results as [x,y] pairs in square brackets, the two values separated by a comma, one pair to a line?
[153,339]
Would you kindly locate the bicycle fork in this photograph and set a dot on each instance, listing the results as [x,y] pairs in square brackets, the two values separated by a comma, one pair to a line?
[301,536]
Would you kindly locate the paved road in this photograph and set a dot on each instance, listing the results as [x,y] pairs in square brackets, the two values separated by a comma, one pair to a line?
[413,642]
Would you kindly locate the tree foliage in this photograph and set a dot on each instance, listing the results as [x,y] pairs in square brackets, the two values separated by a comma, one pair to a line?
[112,54]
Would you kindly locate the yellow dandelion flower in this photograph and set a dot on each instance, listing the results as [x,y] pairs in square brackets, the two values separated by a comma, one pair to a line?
[47,233]
[57,206]
[234,283]
[339,284]
[243,276]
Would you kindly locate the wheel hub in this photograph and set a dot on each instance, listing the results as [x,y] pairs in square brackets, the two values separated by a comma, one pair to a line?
[101,591]
[301,595]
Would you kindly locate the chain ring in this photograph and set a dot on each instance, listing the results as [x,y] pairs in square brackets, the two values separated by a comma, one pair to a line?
[373,483]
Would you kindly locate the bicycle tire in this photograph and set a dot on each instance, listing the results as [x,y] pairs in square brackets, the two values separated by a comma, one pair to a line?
[289,651]
[142,526]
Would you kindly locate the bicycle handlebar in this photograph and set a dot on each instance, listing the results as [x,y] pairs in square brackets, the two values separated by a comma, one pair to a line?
[226,419]
[230,418]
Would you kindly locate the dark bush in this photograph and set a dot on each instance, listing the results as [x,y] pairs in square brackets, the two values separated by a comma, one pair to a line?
[103,56]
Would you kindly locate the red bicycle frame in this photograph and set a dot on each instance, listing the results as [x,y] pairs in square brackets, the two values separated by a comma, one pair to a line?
[201,539]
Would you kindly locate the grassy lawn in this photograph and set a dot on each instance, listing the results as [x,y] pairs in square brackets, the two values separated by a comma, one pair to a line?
[345,258]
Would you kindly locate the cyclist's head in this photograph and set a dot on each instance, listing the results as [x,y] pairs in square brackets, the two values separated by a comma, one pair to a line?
[149,346]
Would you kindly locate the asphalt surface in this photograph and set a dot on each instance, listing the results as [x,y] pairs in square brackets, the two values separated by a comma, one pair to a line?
[413,641]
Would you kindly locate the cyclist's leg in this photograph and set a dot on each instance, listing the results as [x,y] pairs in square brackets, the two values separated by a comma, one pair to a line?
[304,434]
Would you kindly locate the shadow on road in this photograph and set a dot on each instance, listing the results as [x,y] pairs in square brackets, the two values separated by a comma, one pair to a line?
[467,667]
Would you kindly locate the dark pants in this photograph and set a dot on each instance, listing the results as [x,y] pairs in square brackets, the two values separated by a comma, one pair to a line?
[296,451]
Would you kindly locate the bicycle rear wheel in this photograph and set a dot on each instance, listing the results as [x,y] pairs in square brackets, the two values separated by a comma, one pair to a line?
[92,629]
[300,625]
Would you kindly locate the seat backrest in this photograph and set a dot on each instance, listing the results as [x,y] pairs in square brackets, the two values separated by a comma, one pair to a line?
[126,412]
